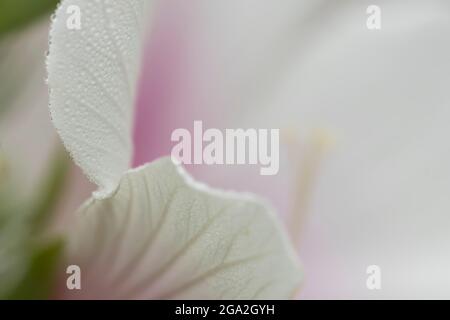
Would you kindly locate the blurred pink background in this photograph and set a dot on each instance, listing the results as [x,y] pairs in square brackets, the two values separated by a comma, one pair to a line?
[381,193]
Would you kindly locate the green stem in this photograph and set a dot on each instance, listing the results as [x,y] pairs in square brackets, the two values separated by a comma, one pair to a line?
[51,190]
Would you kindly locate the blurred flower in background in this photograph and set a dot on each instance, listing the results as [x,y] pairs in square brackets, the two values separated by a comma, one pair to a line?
[379,196]
[35,171]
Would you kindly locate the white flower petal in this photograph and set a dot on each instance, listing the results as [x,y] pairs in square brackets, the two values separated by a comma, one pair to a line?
[92,74]
[161,235]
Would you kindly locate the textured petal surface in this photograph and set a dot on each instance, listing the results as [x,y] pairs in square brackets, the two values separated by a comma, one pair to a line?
[161,235]
[92,74]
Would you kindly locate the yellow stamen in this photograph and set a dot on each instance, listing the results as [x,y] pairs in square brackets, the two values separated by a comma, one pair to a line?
[308,159]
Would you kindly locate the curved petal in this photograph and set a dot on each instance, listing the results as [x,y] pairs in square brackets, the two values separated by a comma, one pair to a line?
[92,74]
[161,235]
[204,61]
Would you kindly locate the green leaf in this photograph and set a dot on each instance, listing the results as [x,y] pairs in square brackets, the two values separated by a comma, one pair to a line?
[15,14]
[28,259]
[39,277]
[50,191]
